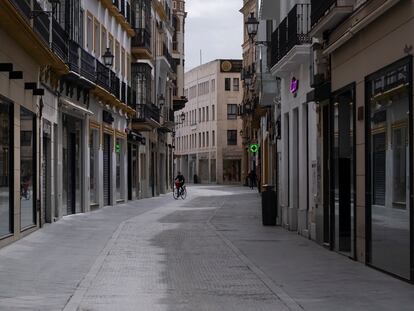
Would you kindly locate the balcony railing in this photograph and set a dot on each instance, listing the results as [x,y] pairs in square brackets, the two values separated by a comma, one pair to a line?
[60,40]
[41,23]
[123,92]
[73,59]
[167,55]
[292,31]
[88,69]
[102,75]
[142,39]
[319,9]
[148,112]
[115,85]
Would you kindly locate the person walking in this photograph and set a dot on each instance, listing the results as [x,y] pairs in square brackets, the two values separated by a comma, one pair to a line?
[252,179]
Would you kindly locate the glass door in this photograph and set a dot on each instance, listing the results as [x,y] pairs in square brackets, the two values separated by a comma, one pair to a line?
[388,173]
[343,171]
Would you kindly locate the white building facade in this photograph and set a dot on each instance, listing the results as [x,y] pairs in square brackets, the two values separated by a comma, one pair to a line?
[297,147]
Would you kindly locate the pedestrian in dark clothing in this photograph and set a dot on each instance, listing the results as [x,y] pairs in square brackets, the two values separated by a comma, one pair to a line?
[252,179]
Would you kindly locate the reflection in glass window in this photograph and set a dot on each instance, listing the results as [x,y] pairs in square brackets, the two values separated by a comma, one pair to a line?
[5,161]
[389,180]
[27,174]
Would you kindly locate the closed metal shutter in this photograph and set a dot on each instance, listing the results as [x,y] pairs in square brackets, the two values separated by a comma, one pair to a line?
[106,170]
[378,169]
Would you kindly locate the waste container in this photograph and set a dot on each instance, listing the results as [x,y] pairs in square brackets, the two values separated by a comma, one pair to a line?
[195,179]
[269,206]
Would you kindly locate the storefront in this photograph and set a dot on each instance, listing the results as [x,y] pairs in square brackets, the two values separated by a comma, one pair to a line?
[341,196]
[6,168]
[389,159]
[231,171]
[134,142]
[72,167]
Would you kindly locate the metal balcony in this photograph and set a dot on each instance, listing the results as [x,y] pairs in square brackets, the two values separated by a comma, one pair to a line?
[60,40]
[141,43]
[328,14]
[292,31]
[88,69]
[147,117]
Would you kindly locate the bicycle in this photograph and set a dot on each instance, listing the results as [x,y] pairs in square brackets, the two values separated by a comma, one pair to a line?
[179,191]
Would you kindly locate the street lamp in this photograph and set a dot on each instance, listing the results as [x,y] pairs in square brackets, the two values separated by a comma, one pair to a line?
[252,25]
[182,117]
[108,58]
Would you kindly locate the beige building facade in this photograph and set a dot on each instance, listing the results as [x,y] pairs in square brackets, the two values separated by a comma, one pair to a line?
[208,147]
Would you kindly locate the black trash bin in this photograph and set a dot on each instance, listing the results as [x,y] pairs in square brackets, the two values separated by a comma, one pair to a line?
[269,206]
[195,179]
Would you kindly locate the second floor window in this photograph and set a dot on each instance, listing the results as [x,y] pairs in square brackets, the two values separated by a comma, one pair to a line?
[231,137]
[227,84]
[236,83]
[231,112]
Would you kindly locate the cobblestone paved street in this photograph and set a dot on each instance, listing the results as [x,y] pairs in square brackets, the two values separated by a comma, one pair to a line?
[208,252]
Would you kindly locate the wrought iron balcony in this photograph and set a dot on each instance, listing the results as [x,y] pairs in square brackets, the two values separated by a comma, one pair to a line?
[142,39]
[73,59]
[41,23]
[319,9]
[102,75]
[60,40]
[328,14]
[292,31]
[114,84]
[148,112]
[23,6]
[88,69]
[123,92]
[167,55]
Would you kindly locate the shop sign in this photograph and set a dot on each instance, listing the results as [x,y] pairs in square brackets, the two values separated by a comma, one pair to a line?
[254,148]
[118,148]
[294,86]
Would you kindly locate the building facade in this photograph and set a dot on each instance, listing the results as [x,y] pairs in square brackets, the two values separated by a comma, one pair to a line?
[87,107]
[365,130]
[344,126]
[207,143]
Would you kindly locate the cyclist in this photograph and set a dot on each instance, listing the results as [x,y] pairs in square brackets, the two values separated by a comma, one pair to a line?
[179,182]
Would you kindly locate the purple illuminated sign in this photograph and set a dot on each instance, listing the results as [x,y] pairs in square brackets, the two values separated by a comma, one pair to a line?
[294,85]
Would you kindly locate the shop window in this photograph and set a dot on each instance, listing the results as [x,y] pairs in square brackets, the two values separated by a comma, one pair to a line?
[389,110]
[27,169]
[231,171]
[6,170]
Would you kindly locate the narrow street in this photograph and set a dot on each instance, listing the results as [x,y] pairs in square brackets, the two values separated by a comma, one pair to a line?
[209,252]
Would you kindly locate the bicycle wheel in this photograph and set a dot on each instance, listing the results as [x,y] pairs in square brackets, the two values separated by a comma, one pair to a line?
[176,194]
[184,193]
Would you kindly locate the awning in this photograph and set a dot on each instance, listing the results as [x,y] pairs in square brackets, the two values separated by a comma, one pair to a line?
[72,106]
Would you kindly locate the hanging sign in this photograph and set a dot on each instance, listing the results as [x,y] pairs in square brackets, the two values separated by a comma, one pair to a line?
[294,86]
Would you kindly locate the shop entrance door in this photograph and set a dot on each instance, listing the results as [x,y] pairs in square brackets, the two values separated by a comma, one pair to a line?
[107,170]
[71,208]
[343,172]
[46,191]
